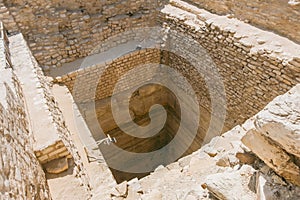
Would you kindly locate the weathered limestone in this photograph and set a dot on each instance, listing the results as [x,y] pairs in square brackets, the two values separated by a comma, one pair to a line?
[275,138]
[231,185]
[235,48]
[51,136]
[254,65]
[7,19]
[100,177]
[280,122]
[21,176]
[273,156]
[253,72]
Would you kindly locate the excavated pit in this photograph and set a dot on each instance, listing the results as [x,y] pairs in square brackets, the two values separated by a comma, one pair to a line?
[140,103]
[206,55]
[158,82]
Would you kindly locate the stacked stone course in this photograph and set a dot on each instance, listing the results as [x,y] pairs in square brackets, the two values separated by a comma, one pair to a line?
[62,146]
[82,82]
[69,30]
[252,74]
[21,176]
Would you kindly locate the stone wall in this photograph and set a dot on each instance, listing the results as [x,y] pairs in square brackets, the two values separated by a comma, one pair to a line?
[67,30]
[21,176]
[282,17]
[7,19]
[52,137]
[89,83]
[253,68]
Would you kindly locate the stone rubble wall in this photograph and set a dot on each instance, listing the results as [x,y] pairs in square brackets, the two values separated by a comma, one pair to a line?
[68,30]
[255,65]
[21,176]
[5,54]
[282,17]
[63,146]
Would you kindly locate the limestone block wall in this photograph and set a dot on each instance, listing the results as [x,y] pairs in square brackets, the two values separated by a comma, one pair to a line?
[280,16]
[67,30]
[52,137]
[21,176]
[255,65]
[5,54]
[7,19]
[83,81]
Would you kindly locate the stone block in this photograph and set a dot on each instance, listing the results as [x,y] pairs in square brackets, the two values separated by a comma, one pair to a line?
[275,157]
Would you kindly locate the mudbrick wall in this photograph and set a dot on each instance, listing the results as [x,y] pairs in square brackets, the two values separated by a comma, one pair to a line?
[280,16]
[21,176]
[72,29]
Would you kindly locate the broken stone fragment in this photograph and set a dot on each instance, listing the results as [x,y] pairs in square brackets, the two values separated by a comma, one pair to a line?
[287,138]
[223,162]
[267,188]
[135,185]
[231,185]
[57,166]
[132,194]
[275,157]
[246,158]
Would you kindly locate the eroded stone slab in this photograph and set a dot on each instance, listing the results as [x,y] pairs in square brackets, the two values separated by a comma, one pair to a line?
[273,156]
